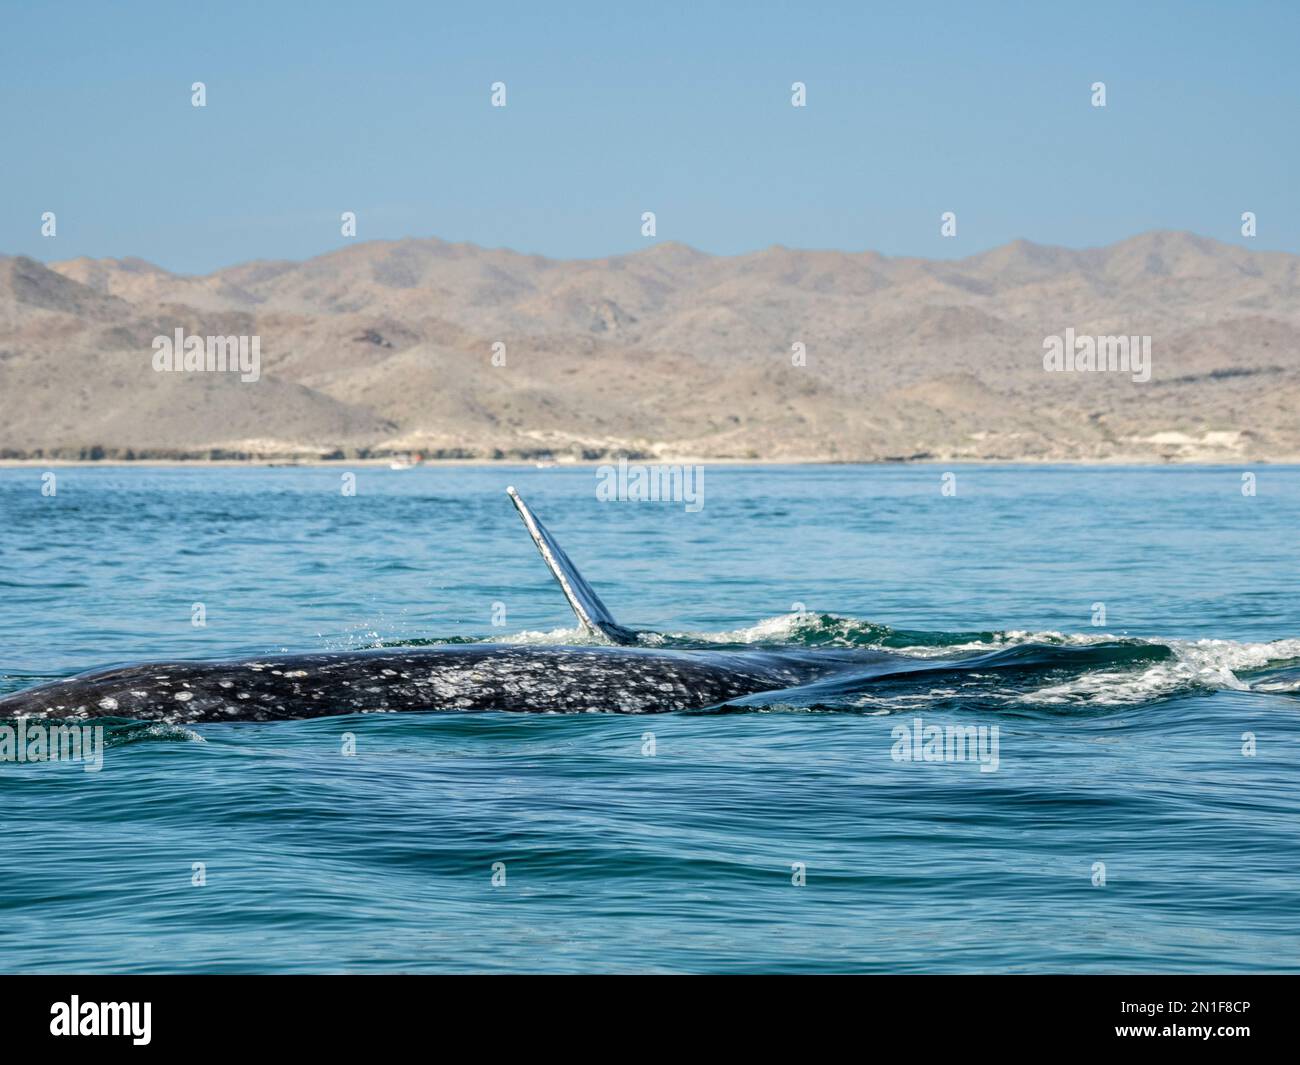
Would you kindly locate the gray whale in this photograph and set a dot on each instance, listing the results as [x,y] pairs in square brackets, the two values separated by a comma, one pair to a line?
[622,677]
[386,680]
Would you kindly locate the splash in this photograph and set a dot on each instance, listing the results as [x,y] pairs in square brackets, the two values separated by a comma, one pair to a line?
[1208,665]
[1114,671]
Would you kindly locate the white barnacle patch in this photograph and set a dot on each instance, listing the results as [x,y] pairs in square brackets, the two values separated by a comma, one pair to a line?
[297,673]
[108,704]
[227,683]
[183,697]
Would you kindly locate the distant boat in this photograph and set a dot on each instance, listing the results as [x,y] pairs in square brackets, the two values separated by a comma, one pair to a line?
[411,460]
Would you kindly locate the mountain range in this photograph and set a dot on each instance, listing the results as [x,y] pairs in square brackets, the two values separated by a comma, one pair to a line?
[462,352]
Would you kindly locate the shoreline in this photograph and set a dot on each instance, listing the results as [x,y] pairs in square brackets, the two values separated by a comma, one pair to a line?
[1153,462]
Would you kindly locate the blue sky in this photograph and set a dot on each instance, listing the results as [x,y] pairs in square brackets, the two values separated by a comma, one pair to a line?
[383,109]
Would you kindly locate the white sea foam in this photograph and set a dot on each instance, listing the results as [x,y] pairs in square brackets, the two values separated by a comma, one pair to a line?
[578,637]
[1207,664]
[1204,664]
[780,629]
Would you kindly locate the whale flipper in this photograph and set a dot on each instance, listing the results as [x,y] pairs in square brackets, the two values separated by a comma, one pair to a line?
[593,614]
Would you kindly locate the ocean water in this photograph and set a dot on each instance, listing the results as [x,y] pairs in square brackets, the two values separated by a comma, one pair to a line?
[1142,812]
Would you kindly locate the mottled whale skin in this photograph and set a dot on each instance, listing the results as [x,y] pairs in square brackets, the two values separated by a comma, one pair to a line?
[624,678]
[450,678]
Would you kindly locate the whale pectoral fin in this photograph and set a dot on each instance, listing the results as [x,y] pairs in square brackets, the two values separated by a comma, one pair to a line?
[593,614]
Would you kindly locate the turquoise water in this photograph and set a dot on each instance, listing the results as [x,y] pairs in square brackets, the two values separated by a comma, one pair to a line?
[1119,743]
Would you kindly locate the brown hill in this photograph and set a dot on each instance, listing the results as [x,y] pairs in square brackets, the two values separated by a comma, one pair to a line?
[387,346]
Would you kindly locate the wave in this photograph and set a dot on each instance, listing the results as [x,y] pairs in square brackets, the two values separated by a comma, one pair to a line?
[1047,669]
[120,733]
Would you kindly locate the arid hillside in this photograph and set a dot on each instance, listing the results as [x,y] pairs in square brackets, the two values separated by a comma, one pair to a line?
[388,347]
